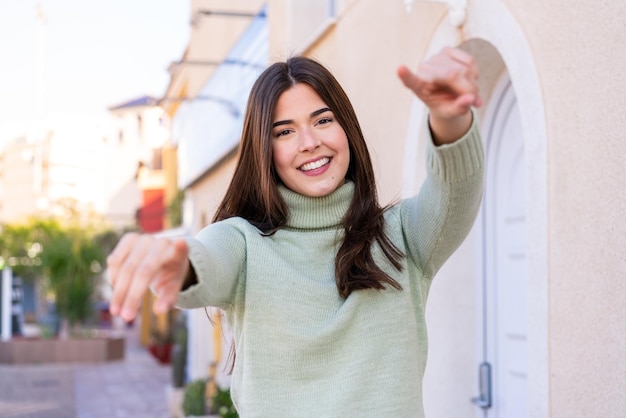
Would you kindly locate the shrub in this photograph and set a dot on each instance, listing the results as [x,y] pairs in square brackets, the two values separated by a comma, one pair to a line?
[193,399]
[223,404]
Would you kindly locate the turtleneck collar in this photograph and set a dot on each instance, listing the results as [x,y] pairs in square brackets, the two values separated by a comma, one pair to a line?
[317,212]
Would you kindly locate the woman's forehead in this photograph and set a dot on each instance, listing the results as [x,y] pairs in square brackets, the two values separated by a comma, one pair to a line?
[297,100]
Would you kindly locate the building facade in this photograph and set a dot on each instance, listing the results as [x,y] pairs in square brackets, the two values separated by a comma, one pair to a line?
[140,133]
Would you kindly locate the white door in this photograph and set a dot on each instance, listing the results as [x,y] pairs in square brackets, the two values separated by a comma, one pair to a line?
[504,265]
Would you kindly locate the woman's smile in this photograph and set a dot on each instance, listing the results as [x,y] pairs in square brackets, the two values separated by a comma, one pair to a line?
[314,167]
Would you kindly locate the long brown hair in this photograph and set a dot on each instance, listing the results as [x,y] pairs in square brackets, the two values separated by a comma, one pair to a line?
[253,193]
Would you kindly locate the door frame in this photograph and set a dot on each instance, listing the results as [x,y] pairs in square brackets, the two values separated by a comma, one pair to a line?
[498,107]
[491,22]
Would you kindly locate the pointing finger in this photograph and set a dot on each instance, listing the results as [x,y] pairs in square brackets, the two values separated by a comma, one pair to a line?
[165,266]
[119,254]
[140,269]
[168,284]
[408,78]
[127,271]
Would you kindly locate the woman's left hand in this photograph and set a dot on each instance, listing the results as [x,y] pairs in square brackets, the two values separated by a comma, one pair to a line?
[447,83]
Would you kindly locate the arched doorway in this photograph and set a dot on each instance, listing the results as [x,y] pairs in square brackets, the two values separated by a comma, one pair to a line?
[508,84]
[503,318]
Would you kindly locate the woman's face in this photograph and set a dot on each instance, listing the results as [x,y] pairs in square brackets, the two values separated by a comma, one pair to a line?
[310,149]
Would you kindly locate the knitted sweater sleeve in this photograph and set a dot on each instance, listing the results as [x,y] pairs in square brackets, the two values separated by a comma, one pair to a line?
[217,254]
[437,220]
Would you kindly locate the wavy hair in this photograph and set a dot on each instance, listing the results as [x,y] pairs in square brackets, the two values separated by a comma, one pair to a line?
[253,193]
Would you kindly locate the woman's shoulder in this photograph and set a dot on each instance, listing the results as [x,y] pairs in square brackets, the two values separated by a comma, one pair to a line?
[397,212]
[393,210]
[230,226]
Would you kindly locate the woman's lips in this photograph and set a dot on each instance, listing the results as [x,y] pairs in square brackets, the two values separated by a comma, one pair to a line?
[314,166]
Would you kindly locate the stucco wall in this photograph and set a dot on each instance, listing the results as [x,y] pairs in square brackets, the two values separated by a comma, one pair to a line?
[579,51]
[208,192]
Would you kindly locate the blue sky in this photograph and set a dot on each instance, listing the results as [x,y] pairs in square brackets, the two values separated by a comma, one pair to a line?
[97,54]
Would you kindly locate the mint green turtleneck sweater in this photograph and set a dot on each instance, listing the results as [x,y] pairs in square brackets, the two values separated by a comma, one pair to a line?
[302,350]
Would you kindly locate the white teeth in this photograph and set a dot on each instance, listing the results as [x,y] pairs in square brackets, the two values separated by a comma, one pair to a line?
[315,164]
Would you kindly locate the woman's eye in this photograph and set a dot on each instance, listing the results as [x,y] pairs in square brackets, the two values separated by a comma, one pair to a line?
[324,121]
[281,133]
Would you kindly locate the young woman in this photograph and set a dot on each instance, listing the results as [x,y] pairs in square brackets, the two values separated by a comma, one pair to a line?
[324,290]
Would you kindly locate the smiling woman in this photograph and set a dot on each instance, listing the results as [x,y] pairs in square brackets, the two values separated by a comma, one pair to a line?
[310,149]
[305,147]
[322,287]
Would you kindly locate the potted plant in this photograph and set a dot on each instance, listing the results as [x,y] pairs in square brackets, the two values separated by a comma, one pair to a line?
[176,390]
[160,345]
[194,401]
[222,404]
[66,261]
[196,404]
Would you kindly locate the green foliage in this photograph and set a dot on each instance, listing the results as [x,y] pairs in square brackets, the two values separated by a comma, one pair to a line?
[179,351]
[223,404]
[21,245]
[194,402]
[46,331]
[193,398]
[67,257]
[175,209]
[70,260]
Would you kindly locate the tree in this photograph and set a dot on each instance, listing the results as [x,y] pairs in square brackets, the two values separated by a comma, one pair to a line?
[68,259]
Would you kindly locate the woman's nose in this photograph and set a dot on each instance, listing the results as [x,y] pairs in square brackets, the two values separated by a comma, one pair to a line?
[308,141]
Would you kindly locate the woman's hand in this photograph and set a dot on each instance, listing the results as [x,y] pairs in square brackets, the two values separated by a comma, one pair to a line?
[140,261]
[447,83]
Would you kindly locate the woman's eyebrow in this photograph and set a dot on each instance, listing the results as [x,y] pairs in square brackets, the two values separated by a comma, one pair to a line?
[319,112]
[312,115]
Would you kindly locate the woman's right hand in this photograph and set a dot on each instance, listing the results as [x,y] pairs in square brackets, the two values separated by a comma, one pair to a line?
[139,261]
[447,83]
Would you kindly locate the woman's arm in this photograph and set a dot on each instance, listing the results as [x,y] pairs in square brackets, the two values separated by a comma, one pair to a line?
[216,257]
[191,272]
[439,218]
[437,221]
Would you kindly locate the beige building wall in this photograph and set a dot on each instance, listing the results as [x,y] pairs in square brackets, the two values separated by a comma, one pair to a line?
[208,193]
[578,49]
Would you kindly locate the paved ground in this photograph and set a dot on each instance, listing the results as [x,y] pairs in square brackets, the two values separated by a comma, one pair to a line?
[132,388]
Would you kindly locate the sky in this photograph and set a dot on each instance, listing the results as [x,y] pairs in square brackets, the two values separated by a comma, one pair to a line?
[95,55]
